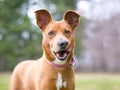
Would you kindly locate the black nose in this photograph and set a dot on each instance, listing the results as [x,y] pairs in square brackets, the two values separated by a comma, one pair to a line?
[63,43]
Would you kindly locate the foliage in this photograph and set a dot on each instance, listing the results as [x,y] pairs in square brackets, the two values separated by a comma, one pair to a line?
[79,34]
[58,7]
[18,37]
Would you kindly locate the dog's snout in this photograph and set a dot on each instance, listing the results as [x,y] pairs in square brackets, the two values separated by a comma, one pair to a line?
[63,43]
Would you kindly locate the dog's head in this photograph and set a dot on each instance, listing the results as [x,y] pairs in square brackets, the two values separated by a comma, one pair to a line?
[58,36]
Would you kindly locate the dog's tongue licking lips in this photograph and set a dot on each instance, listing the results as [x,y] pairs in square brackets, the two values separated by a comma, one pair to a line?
[61,55]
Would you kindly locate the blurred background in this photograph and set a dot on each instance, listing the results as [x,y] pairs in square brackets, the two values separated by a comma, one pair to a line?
[97,36]
[97,47]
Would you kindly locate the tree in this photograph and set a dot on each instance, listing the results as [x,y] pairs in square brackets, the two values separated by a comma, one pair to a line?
[19,39]
[103,46]
[59,7]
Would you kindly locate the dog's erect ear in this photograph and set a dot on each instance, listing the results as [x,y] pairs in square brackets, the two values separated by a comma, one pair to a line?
[43,18]
[72,18]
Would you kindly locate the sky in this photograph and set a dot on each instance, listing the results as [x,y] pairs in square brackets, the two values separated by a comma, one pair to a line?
[98,9]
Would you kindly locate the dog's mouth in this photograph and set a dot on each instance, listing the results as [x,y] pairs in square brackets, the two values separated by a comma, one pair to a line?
[62,55]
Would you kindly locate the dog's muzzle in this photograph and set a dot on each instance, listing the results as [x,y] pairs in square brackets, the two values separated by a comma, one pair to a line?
[62,44]
[64,50]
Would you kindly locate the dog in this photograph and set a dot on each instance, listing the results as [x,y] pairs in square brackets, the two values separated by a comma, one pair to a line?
[53,71]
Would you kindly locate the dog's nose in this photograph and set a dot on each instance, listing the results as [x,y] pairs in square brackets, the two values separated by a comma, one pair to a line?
[63,43]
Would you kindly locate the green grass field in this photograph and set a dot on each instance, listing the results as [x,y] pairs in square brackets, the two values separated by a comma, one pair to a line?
[4,81]
[83,81]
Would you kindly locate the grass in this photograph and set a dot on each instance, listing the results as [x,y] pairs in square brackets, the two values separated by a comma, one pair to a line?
[83,81]
[4,81]
[97,82]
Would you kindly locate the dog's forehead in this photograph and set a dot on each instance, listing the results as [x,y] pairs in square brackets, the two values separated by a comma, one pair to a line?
[59,25]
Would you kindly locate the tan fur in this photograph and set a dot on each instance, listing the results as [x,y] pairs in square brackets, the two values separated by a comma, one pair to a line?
[39,74]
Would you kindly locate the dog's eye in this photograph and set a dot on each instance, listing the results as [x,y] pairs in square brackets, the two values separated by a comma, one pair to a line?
[67,32]
[50,33]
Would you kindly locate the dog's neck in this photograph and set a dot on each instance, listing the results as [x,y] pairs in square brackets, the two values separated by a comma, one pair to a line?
[67,64]
[71,63]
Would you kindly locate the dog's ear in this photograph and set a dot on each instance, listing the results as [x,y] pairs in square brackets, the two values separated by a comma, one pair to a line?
[43,18]
[72,18]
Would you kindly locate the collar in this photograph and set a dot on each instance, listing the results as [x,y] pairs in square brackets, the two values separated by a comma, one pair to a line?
[71,63]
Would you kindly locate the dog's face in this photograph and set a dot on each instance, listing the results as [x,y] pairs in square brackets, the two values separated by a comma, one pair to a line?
[58,36]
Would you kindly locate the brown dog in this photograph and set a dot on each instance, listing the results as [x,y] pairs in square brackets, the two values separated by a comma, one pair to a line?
[54,70]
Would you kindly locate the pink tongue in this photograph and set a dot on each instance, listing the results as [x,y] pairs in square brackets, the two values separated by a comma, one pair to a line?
[61,54]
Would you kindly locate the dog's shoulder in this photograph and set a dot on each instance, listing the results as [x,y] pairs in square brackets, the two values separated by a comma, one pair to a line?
[24,65]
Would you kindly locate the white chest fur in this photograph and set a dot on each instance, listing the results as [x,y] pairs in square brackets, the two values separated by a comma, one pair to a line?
[60,83]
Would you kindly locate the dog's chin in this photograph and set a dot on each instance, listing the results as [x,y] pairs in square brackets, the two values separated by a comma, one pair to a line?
[61,55]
